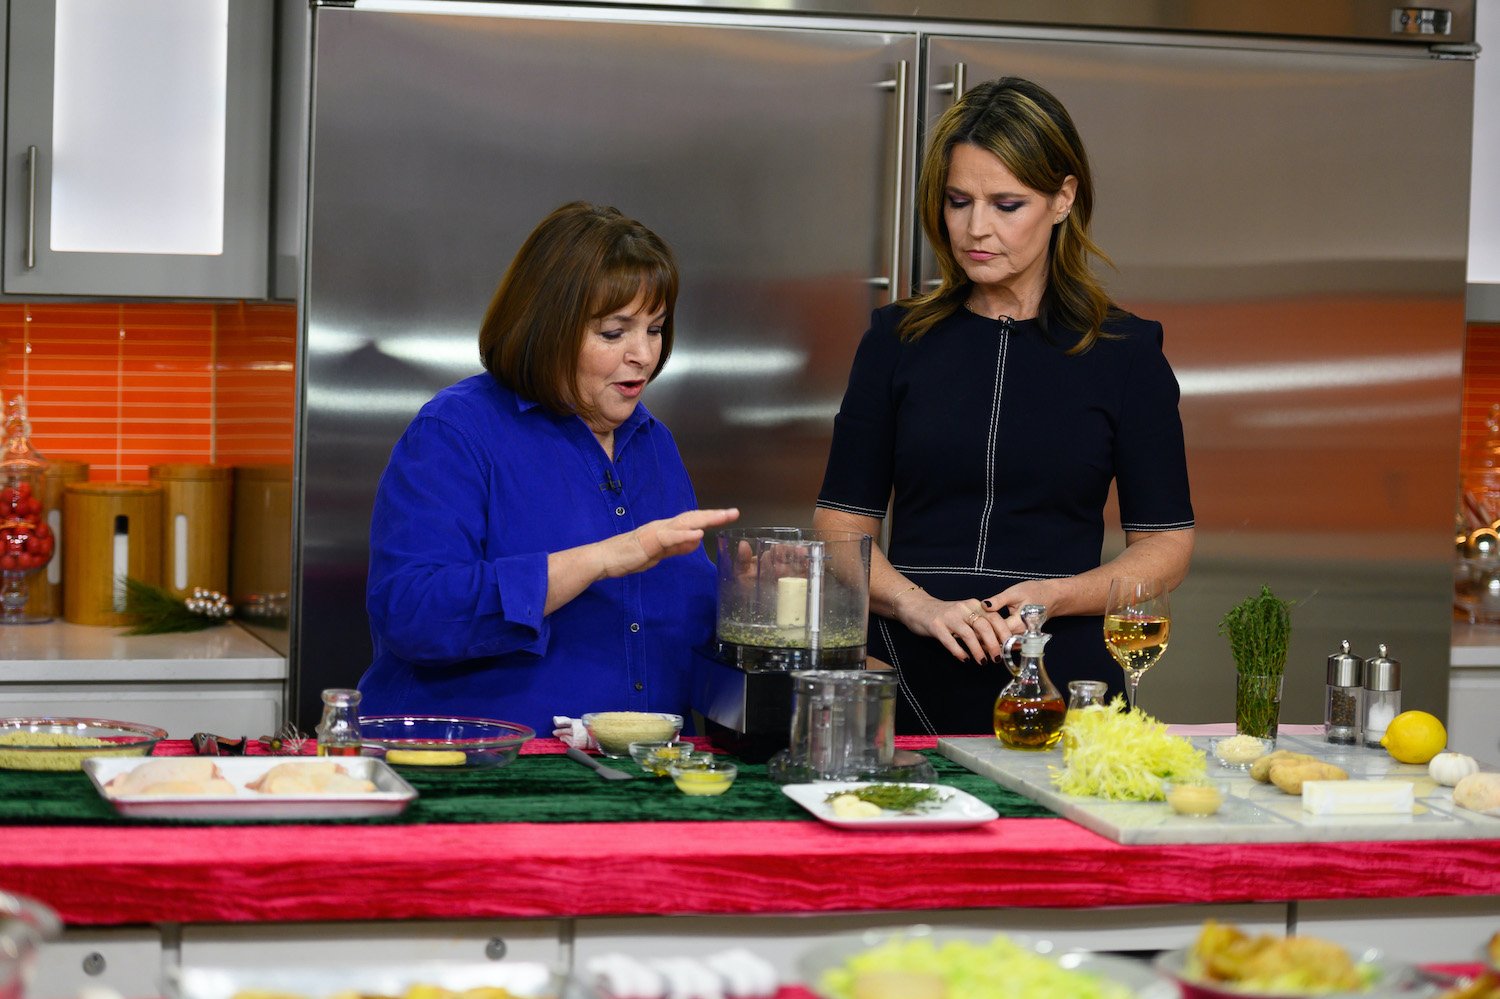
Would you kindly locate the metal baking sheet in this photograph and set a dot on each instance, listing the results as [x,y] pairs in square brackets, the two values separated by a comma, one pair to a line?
[391,795]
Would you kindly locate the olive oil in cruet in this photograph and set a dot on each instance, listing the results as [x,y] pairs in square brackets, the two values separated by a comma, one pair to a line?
[1029,712]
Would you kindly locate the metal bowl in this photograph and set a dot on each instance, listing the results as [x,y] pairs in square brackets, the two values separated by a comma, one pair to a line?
[1390,980]
[834,953]
[41,742]
[441,742]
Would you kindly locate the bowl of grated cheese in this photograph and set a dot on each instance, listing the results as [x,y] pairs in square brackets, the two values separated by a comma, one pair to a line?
[46,743]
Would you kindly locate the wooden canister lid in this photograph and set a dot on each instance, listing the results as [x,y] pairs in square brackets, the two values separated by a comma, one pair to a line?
[62,468]
[190,472]
[114,488]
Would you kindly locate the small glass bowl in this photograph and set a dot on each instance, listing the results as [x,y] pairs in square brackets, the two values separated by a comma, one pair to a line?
[1237,752]
[703,775]
[614,731]
[41,743]
[1197,798]
[657,757]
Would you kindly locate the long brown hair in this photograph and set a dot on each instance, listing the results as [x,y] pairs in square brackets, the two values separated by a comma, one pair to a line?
[581,262]
[1034,136]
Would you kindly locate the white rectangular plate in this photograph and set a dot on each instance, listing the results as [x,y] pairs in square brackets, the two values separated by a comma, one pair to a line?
[958,810]
[390,797]
[522,978]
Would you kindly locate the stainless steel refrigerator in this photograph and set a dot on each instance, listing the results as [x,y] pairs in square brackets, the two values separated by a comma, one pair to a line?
[1286,191]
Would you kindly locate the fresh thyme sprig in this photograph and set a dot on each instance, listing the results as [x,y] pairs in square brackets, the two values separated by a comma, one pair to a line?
[896,797]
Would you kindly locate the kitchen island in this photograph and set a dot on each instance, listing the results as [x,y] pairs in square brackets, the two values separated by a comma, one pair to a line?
[561,891]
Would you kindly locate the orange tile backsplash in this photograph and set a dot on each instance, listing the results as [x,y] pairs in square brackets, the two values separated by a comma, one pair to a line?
[124,386]
[1481,384]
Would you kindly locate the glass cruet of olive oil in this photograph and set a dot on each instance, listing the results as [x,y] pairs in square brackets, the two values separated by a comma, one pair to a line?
[1029,712]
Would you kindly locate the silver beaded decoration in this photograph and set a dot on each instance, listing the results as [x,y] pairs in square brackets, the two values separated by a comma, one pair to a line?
[209,603]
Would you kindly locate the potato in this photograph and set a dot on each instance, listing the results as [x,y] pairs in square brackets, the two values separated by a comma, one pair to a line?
[1290,775]
[1479,792]
[1261,769]
[898,985]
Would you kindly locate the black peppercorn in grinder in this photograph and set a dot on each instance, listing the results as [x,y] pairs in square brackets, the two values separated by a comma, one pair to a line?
[1343,705]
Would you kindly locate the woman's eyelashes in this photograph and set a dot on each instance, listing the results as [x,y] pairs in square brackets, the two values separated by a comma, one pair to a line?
[1006,205]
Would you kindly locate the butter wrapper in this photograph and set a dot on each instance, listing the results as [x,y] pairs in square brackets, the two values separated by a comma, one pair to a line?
[1358,797]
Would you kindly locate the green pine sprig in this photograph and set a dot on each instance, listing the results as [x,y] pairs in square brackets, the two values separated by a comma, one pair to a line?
[157,612]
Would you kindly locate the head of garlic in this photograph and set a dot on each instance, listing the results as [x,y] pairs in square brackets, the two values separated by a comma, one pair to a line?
[1450,768]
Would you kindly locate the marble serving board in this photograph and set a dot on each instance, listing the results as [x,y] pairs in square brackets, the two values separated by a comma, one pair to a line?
[1252,812]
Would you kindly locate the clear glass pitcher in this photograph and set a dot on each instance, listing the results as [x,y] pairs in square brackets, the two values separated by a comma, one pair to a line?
[24,925]
[1029,712]
[801,597]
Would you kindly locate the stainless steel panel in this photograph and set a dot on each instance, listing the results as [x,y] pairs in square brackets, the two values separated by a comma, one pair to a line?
[1451,21]
[1296,219]
[764,156]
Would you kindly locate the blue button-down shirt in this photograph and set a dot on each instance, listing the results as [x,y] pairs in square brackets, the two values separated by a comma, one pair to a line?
[480,488]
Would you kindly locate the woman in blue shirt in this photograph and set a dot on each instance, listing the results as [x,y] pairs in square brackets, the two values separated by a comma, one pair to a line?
[536,547]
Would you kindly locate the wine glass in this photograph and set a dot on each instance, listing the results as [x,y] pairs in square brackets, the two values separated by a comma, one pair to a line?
[1137,619]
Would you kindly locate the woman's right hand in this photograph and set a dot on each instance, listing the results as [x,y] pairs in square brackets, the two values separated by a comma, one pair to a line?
[644,547]
[963,627]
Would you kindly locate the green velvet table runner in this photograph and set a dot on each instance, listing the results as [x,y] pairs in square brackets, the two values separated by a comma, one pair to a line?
[540,788]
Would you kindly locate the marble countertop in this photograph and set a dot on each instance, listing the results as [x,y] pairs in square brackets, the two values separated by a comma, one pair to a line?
[59,652]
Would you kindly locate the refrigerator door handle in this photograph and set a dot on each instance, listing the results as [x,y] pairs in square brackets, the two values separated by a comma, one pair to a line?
[899,86]
[959,85]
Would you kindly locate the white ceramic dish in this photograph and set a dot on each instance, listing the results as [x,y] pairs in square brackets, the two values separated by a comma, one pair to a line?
[390,797]
[958,809]
[1393,980]
[528,979]
[1135,976]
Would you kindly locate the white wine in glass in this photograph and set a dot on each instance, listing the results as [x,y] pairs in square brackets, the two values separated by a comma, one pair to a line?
[1137,621]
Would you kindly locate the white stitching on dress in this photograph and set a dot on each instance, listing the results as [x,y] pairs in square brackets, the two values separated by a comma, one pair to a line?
[1178,525]
[990,444]
[890,646]
[986,573]
[851,508]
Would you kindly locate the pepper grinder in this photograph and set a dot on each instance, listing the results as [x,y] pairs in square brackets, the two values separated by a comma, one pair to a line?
[1382,692]
[1342,704]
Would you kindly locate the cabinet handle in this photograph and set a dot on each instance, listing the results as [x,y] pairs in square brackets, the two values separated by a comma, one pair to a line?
[30,207]
[899,85]
[960,82]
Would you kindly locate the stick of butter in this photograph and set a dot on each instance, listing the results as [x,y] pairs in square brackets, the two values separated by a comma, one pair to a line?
[791,602]
[1357,797]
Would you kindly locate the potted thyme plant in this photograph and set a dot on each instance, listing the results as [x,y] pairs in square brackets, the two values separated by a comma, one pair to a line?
[1259,630]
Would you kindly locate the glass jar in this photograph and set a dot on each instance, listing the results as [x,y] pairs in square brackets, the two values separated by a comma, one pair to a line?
[26,541]
[1382,693]
[1343,704]
[338,731]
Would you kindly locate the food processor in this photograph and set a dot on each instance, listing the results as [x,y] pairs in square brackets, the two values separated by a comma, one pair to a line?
[24,925]
[789,599]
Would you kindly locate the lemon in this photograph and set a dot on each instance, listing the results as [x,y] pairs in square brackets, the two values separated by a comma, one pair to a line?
[1414,737]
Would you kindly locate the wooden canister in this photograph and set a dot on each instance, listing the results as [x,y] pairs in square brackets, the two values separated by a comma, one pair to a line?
[195,527]
[113,530]
[260,562]
[46,587]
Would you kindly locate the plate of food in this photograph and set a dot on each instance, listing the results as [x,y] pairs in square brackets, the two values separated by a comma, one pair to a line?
[918,962]
[1227,963]
[876,805]
[250,787]
[47,743]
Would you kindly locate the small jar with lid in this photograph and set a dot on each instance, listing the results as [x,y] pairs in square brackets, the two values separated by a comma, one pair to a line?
[338,731]
[1382,693]
[1343,704]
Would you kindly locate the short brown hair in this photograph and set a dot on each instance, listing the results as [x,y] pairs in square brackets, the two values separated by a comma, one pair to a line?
[581,262]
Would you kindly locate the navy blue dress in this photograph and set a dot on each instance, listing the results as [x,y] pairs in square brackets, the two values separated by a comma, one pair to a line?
[996,450]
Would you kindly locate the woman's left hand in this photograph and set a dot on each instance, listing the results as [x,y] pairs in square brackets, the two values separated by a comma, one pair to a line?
[1011,599]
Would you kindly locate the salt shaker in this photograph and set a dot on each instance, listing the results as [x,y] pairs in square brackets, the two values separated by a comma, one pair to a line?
[1382,690]
[1342,704]
[338,732]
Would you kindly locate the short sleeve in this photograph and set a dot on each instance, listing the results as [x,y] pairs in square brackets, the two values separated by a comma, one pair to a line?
[1151,472]
[860,460]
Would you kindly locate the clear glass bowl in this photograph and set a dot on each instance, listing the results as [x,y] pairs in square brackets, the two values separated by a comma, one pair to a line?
[437,741]
[614,731]
[46,743]
[1237,752]
[1198,798]
[703,775]
[656,758]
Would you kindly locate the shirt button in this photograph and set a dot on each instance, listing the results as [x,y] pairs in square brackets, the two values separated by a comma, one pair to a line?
[619,511]
[639,685]
[635,626]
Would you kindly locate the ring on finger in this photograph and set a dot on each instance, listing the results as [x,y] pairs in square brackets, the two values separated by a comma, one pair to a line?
[971,618]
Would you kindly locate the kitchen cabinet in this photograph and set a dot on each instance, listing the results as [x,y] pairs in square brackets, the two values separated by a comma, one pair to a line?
[138,148]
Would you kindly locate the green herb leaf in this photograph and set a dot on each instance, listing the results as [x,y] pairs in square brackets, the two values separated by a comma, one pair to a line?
[896,797]
[1259,630]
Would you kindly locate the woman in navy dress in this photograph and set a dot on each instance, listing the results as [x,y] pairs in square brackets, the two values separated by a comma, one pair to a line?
[993,414]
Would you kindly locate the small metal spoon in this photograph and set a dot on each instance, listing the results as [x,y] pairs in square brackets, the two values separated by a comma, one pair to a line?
[609,773]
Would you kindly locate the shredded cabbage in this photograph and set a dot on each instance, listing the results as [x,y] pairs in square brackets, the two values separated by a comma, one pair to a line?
[1000,969]
[1120,755]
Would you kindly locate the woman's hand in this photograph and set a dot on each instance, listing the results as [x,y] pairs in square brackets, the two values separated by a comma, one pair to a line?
[963,627]
[644,547]
[1047,592]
